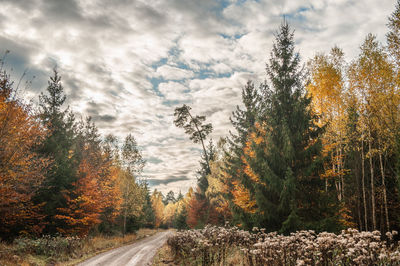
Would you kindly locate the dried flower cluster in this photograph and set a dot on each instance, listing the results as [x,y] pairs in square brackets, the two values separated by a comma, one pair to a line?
[351,247]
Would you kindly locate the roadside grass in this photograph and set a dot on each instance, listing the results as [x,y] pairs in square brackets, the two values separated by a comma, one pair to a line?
[165,257]
[63,250]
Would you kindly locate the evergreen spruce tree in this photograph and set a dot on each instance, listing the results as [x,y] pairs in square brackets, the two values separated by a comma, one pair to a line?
[59,145]
[149,217]
[288,191]
[180,220]
[243,121]
[179,197]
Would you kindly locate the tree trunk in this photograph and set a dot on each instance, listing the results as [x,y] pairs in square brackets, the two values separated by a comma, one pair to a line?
[384,192]
[124,228]
[337,183]
[363,186]
[359,200]
[126,209]
[341,172]
[326,184]
[371,167]
[202,142]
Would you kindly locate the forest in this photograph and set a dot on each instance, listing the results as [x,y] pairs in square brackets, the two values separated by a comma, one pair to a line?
[315,146]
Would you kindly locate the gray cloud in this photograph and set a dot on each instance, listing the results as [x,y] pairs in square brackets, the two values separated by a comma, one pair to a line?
[170,179]
[61,11]
[19,56]
[106,118]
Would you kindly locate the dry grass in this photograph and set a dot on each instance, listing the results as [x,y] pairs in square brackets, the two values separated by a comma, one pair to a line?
[91,246]
[236,258]
[164,257]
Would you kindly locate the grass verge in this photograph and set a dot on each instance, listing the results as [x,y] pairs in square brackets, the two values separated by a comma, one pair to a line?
[165,257]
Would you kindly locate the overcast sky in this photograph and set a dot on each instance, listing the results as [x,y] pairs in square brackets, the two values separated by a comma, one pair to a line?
[128,64]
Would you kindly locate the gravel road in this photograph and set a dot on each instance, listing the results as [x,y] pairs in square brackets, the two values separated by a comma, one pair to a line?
[139,253]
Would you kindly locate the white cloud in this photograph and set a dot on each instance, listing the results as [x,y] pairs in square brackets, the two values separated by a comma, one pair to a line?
[173,73]
[174,91]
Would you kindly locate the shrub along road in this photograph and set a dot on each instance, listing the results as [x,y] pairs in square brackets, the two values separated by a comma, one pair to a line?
[139,253]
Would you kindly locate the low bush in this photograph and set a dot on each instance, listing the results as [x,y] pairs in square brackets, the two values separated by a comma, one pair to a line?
[49,246]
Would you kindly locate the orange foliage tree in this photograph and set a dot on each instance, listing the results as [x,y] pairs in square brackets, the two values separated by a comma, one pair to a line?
[21,168]
[197,209]
[95,190]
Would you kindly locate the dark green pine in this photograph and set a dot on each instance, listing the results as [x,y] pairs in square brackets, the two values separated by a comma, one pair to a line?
[149,217]
[59,145]
[290,196]
[243,120]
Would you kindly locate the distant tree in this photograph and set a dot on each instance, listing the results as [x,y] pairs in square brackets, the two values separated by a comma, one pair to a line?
[158,207]
[180,196]
[148,212]
[133,197]
[169,198]
[197,212]
[132,158]
[193,126]
[180,221]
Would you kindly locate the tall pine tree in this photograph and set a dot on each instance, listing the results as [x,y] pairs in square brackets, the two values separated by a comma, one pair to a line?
[59,145]
[282,154]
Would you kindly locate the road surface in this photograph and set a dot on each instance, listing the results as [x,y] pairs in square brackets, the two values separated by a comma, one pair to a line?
[139,253]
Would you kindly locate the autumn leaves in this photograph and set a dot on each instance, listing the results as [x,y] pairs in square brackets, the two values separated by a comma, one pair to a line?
[21,167]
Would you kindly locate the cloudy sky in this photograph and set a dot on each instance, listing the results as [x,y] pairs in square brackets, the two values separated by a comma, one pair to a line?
[129,63]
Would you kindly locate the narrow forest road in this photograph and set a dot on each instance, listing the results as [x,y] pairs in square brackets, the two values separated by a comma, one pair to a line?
[139,253]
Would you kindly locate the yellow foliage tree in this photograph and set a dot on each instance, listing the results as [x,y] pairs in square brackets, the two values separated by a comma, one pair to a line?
[327,89]
[158,207]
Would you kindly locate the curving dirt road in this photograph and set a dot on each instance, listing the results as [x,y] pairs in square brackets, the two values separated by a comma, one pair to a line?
[139,253]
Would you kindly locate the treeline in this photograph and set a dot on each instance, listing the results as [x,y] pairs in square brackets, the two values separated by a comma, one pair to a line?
[59,176]
[314,147]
